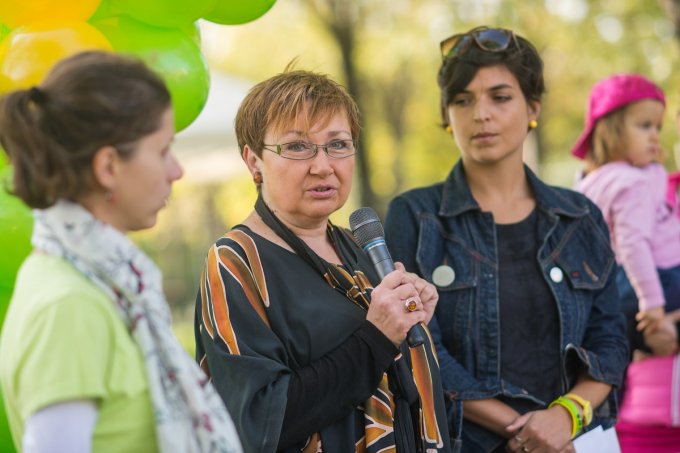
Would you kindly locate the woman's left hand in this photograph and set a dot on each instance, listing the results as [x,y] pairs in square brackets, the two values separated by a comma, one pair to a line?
[426,291]
[543,431]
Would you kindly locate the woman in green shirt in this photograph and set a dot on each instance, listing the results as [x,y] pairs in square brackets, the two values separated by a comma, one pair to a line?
[88,361]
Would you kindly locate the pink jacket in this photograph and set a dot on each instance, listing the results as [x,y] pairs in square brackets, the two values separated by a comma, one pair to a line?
[644,228]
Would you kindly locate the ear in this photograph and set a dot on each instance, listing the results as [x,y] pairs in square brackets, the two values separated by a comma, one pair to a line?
[252,160]
[104,167]
[534,110]
[449,119]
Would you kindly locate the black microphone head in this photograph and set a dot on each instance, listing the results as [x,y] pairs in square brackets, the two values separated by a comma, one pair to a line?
[365,226]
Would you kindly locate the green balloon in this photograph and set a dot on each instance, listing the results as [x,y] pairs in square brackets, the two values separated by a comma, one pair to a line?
[6,444]
[171,53]
[16,224]
[104,10]
[5,296]
[233,12]
[165,13]
[193,31]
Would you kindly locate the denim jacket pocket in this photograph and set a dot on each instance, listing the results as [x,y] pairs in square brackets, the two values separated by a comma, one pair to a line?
[438,248]
[449,263]
[585,258]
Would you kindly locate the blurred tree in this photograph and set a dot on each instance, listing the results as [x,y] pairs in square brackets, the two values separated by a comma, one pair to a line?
[392,75]
[673,10]
[387,53]
[344,20]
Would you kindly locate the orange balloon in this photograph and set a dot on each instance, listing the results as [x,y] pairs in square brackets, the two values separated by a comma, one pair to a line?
[29,52]
[21,12]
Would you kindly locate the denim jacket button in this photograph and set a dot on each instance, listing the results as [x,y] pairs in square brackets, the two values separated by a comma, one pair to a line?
[443,275]
[556,274]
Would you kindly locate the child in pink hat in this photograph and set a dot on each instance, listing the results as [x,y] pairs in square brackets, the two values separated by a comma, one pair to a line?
[622,174]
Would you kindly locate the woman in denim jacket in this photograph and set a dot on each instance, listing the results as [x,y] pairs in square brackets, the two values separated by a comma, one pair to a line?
[528,329]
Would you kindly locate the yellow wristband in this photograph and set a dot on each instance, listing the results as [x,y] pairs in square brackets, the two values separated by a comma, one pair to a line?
[585,406]
[572,409]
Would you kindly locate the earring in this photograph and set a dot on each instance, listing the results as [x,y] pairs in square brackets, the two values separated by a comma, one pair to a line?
[110,196]
[533,124]
[257,178]
[449,129]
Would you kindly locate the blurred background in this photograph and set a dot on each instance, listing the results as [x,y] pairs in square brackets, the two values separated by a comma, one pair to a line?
[387,53]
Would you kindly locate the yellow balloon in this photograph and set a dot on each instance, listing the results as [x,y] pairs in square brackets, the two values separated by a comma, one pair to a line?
[21,12]
[29,52]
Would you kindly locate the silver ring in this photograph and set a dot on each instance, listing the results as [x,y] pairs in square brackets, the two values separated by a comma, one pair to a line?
[410,305]
[525,449]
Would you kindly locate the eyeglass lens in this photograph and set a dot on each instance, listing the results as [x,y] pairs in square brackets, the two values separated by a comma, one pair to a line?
[493,39]
[489,39]
[304,150]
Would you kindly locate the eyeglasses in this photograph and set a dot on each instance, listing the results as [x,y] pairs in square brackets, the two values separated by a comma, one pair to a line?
[487,39]
[335,149]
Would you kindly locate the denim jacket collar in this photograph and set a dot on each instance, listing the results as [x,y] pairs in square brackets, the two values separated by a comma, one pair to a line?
[457,197]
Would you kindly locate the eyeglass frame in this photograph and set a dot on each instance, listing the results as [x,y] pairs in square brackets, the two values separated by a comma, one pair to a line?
[278,149]
[472,35]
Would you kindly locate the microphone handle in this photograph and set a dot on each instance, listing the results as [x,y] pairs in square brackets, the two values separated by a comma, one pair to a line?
[415,336]
[382,261]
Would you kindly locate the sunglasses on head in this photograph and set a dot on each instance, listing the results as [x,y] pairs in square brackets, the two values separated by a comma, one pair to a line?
[487,39]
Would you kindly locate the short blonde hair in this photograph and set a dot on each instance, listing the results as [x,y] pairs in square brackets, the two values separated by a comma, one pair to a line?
[281,100]
[607,144]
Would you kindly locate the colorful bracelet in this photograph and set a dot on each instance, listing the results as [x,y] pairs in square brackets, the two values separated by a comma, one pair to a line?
[574,412]
[586,407]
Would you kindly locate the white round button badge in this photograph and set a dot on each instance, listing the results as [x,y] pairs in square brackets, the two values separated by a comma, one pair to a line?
[443,275]
[556,275]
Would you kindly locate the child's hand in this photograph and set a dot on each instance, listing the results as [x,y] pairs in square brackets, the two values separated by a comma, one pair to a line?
[662,337]
[648,318]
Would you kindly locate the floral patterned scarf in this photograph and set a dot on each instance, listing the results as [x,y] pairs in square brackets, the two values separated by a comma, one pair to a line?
[190,416]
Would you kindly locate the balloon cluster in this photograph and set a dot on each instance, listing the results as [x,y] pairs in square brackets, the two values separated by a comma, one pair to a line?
[34,34]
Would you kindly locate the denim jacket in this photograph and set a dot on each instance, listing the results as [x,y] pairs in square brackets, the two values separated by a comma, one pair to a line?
[443,225]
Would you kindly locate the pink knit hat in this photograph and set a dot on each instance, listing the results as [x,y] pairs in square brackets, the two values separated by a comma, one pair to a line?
[611,94]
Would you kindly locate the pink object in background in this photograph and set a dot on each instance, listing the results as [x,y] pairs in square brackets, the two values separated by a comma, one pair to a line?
[672,191]
[652,393]
[649,419]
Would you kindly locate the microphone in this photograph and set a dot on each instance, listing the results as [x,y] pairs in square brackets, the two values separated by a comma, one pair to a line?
[370,235]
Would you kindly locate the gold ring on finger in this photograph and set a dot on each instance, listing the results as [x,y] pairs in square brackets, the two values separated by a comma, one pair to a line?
[410,305]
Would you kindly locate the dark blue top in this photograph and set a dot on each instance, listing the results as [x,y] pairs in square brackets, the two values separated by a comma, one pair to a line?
[530,344]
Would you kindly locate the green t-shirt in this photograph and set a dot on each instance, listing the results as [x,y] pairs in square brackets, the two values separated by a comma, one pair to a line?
[63,340]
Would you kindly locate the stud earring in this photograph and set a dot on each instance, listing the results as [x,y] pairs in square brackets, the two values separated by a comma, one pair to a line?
[449,129]
[533,124]
[257,178]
